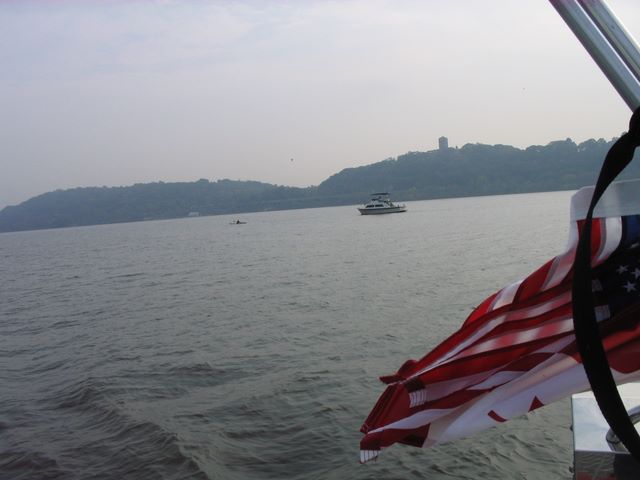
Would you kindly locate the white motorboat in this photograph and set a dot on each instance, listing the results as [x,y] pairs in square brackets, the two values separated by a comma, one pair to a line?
[381,203]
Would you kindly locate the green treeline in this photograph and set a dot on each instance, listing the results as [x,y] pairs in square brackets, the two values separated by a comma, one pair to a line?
[474,169]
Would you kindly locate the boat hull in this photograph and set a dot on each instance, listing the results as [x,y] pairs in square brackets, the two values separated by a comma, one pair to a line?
[380,211]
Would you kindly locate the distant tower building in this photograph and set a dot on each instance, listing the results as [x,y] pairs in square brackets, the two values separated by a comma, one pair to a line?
[443,143]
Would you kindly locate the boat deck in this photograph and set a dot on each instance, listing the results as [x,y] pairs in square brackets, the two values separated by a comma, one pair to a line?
[594,458]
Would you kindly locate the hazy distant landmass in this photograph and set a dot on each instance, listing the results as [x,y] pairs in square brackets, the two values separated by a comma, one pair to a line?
[474,169]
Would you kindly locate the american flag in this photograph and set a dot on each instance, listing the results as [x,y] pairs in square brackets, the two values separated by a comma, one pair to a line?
[517,352]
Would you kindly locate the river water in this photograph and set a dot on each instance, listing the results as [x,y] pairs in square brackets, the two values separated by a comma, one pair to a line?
[194,348]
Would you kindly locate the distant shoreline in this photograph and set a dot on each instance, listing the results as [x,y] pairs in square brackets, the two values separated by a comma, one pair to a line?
[472,170]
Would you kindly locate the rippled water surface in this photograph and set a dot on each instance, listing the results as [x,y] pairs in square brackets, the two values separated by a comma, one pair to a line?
[198,349]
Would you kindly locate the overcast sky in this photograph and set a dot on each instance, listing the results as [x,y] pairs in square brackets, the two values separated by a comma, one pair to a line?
[97,92]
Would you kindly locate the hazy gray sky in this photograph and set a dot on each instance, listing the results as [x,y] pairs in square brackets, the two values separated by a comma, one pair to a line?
[97,92]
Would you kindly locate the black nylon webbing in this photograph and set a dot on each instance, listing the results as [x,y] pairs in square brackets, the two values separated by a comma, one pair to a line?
[588,338]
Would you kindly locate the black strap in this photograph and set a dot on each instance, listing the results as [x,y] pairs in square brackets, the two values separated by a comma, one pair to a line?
[588,338]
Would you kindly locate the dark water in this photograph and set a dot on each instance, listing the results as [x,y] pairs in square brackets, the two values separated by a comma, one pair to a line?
[197,349]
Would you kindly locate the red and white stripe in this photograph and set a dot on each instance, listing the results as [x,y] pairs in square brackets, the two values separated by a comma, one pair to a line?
[515,352]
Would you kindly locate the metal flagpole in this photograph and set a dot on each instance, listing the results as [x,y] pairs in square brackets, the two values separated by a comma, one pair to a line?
[608,43]
[615,33]
[617,54]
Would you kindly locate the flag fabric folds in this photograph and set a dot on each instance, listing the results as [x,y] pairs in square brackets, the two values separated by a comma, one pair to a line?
[517,352]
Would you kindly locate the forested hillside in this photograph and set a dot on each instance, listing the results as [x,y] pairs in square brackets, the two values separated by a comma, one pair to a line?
[477,169]
[474,169]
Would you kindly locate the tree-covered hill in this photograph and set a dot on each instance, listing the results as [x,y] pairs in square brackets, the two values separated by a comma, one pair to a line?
[474,169]
[477,169]
[158,200]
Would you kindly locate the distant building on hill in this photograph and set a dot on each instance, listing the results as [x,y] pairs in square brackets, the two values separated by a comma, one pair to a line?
[443,143]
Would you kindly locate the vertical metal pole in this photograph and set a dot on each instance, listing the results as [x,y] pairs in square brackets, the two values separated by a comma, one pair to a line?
[601,49]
